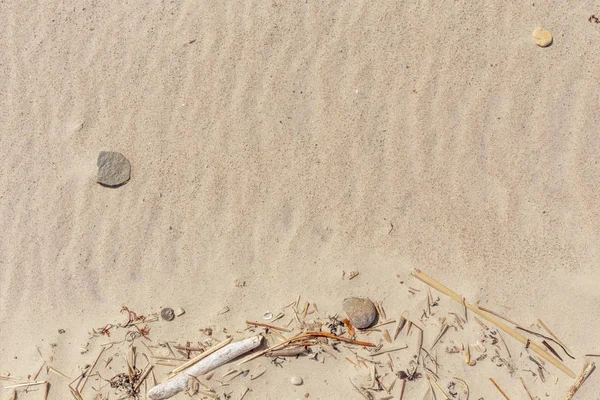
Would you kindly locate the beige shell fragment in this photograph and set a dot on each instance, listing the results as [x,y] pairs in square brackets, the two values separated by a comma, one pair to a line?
[542,37]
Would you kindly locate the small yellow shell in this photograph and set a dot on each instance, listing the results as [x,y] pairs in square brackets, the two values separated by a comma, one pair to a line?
[542,37]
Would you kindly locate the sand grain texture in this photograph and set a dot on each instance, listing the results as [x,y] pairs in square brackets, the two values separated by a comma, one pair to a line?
[281,143]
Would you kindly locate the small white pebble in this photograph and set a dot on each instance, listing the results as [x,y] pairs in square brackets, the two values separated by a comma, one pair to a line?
[296,380]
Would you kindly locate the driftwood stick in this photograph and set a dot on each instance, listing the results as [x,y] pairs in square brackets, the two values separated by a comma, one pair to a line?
[454,296]
[179,382]
[584,375]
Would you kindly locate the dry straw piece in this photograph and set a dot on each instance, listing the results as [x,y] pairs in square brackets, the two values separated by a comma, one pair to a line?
[539,350]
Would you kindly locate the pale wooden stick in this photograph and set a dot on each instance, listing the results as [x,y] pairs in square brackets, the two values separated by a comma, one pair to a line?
[539,350]
[179,383]
[584,375]
[201,356]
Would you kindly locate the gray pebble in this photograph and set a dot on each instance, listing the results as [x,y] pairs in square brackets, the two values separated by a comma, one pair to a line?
[167,314]
[361,312]
[296,380]
[113,169]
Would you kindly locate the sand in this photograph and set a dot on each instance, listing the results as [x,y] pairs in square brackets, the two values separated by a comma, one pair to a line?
[282,143]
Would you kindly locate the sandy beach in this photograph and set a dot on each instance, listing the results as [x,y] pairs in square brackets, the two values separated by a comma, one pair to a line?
[277,146]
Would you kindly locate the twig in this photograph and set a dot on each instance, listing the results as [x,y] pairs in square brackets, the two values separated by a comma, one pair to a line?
[402,388]
[201,356]
[59,374]
[142,378]
[179,382]
[525,387]
[268,326]
[380,352]
[498,315]
[551,350]
[540,351]
[439,388]
[584,375]
[547,338]
[305,336]
[439,336]
[18,385]
[500,390]
[87,375]
[552,334]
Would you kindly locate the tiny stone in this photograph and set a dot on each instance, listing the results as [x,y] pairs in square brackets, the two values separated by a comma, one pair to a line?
[361,312]
[113,169]
[542,37]
[61,331]
[167,314]
[296,380]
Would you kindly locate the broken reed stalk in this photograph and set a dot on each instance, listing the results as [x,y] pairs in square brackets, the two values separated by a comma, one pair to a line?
[201,356]
[487,310]
[18,385]
[89,372]
[539,350]
[439,388]
[584,375]
[500,390]
[267,326]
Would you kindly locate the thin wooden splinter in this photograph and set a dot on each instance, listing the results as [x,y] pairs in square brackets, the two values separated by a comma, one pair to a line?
[536,348]
[500,390]
[525,387]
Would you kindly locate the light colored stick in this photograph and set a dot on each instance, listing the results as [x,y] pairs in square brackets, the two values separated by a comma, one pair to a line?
[201,356]
[179,383]
[584,375]
[18,385]
[539,350]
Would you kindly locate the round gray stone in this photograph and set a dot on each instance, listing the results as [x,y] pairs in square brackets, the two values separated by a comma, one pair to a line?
[361,312]
[113,169]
